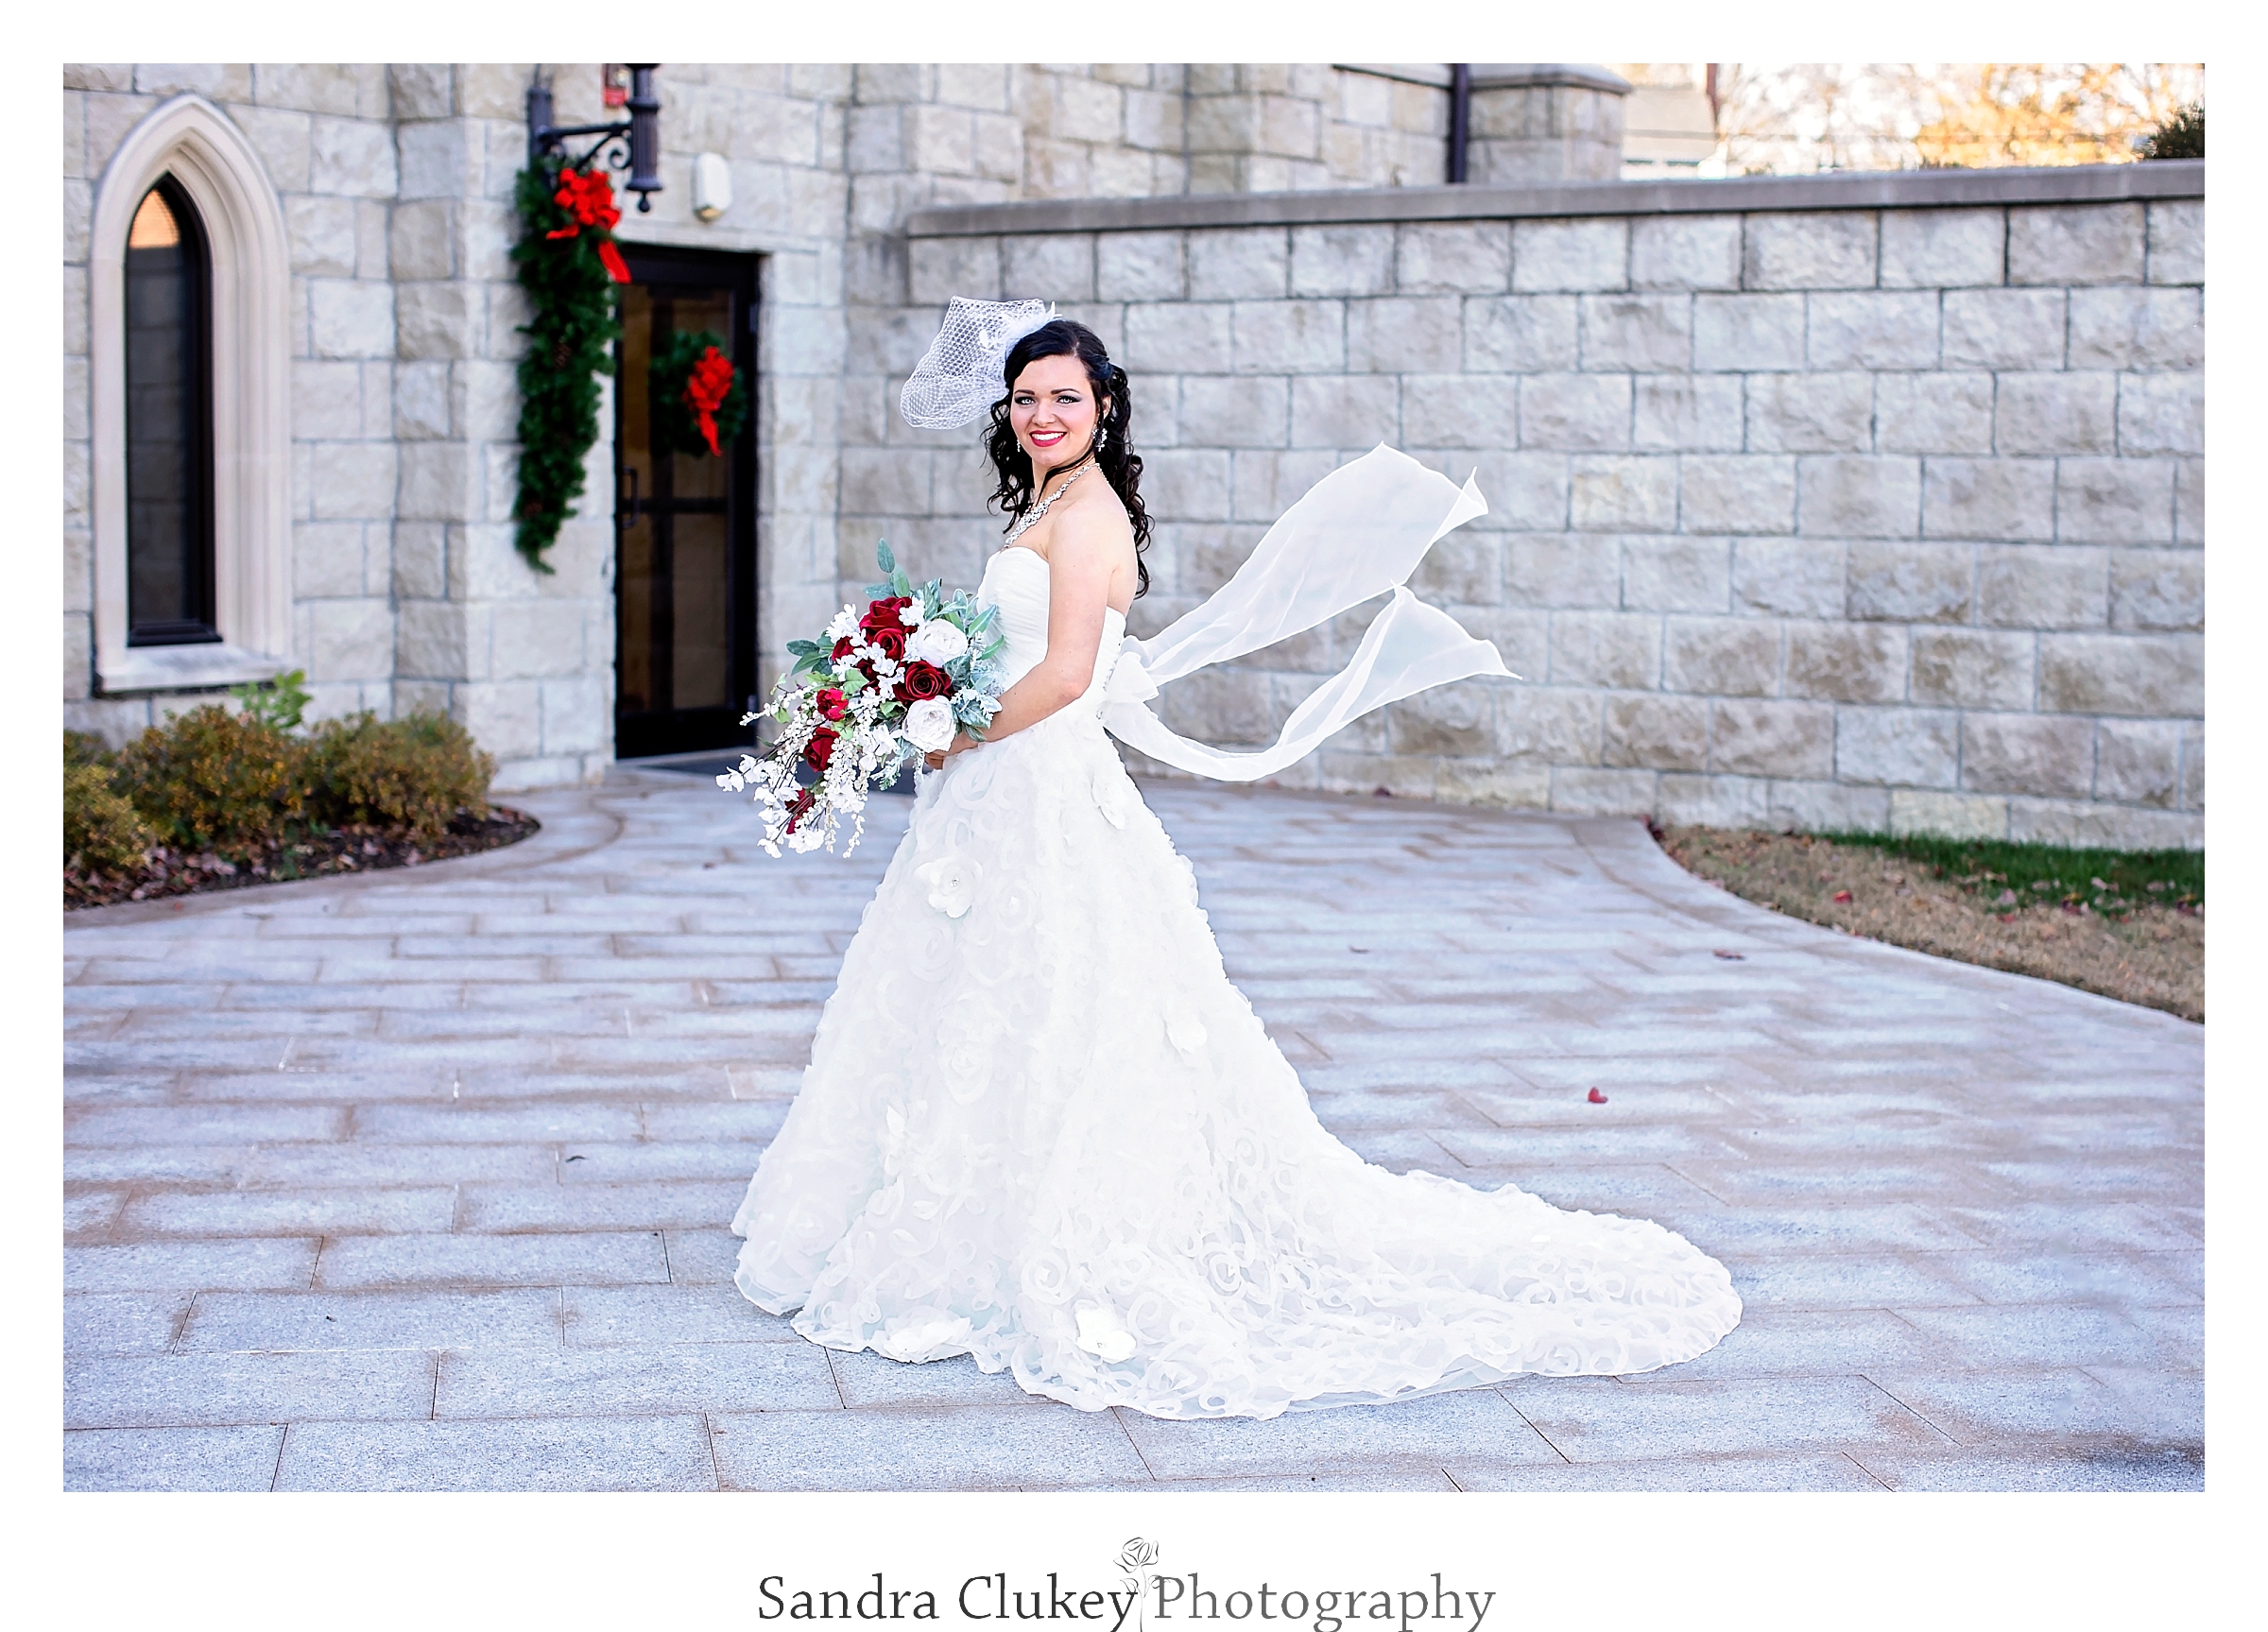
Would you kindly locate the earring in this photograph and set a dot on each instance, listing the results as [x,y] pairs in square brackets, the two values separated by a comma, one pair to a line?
[1102,439]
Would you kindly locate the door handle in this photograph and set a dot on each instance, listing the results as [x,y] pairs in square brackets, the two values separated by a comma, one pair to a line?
[626,512]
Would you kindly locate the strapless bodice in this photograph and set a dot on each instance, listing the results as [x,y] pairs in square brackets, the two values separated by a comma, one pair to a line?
[1014,581]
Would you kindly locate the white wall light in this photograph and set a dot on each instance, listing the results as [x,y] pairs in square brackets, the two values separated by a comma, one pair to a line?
[711,185]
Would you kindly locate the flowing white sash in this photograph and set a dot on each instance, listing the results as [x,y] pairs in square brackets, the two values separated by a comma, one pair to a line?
[1357,533]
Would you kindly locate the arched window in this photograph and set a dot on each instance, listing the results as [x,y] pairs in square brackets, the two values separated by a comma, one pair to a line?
[168,422]
[189,387]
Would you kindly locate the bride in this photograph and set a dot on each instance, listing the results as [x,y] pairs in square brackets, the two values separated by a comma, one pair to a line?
[1040,1127]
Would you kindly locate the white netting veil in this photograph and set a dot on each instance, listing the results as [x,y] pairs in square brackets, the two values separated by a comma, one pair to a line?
[959,377]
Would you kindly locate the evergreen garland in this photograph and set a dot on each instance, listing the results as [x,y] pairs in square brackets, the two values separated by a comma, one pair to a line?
[568,266]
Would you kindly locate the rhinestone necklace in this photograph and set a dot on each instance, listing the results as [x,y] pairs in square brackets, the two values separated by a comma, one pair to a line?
[1040,510]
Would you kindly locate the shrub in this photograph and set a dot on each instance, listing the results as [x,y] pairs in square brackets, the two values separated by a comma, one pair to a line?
[210,780]
[2180,135]
[412,774]
[85,748]
[102,830]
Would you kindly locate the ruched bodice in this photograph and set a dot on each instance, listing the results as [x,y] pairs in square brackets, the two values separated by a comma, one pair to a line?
[1016,582]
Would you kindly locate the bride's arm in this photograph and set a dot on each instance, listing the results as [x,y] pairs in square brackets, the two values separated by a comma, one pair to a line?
[1081,556]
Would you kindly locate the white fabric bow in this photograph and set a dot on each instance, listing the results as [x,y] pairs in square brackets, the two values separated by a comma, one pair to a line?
[1358,533]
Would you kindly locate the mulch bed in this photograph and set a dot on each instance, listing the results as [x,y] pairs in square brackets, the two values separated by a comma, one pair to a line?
[324,853]
[2138,951]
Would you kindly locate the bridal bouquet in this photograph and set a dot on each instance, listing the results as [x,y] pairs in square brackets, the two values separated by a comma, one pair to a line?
[875,689]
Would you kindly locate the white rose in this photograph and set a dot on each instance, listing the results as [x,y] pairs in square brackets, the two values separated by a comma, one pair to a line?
[929,725]
[936,642]
[952,883]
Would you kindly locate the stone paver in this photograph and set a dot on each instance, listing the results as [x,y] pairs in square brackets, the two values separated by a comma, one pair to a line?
[420,1180]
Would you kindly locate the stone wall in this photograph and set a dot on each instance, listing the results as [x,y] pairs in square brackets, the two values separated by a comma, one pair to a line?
[1867,503]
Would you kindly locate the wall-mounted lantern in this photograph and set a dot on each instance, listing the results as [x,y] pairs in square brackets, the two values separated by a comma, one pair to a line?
[636,143]
[711,185]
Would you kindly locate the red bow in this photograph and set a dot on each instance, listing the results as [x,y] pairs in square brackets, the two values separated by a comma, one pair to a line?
[706,389]
[588,198]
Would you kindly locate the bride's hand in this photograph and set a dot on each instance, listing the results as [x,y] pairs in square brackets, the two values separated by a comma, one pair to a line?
[935,759]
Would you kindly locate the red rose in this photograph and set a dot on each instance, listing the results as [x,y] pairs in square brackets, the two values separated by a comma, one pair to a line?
[801,808]
[842,649]
[883,614]
[922,681]
[821,749]
[891,641]
[831,704]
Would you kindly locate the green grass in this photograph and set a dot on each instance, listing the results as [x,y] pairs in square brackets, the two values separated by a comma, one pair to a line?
[2106,879]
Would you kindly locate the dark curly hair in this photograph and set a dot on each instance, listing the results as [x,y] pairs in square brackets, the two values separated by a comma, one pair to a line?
[1062,337]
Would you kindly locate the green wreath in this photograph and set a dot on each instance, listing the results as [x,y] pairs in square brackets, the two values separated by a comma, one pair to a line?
[676,418]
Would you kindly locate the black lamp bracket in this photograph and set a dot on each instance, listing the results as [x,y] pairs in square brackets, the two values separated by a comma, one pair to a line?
[634,145]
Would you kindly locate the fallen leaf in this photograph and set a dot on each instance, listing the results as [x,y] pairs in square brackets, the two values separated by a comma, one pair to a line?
[574,1159]
[1842,895]
[1728,956]
[1597,1098]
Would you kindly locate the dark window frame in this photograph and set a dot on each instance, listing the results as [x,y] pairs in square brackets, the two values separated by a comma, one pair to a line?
[202,627]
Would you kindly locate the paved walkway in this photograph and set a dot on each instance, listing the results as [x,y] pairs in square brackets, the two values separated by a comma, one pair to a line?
[420,1180]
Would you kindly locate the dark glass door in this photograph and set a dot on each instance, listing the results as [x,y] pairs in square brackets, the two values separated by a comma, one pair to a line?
[684,519]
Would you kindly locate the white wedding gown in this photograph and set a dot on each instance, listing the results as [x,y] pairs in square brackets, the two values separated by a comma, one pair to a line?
[1049,1133]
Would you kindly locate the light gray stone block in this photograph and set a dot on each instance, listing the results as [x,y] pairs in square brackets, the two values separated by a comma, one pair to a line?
[1573,412]
[958,1447]
[1763,738]
[1469,411]
[2075,244]
[1403,335]
[1636,332]
[1621,650]
[2142,676]
[1906,747]
[572,1453]
[2156,590]
[1810,413]
[1522,333]
[1049,266]
[1846,663]
[1178,339]
[1578,791]
[940,268]
[1290,337]
[2160,414]
[1972,669]
[2043,587]
[1714,800]
[1573,255]
[1551,725]
[348,319]
[1808,250]
[1235,411]
[1911,583]
[2006,328]
[2177,240]
[1656,734]
[2189,501]
[1461,257]
[2043,754]
[1685,252]
[1943,249]
[1139,267]
[1933,413]
[2113,501]
[2137,329]
[1859,497]
[1873,331]
[172,1458]
[1686,413]
[1736,493]
[1788,576]
[1342,260]
[1348,411]
[1577,571]
[1239,264]
[220,1390]
[1721,656]
[1954,816]
[1623,492]
[1745,333]
[1674,575]
[2192,766]
[2138,762]
[1988,499]
[1826,807]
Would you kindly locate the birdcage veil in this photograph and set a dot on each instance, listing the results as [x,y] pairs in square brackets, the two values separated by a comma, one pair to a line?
[959,377]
